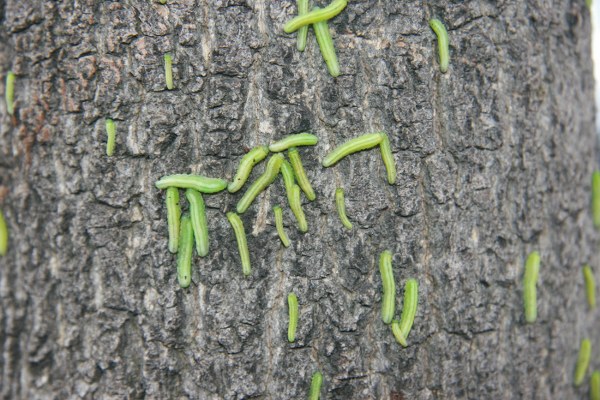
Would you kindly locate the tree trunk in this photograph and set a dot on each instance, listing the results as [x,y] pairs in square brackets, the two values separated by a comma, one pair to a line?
[494,158]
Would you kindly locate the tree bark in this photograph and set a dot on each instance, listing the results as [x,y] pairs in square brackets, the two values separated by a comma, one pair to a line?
[494,158]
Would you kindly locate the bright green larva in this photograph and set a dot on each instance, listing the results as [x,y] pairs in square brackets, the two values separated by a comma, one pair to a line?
[196,182]
[595,386]
[287,172]
[271,172]
[315,386]
[333,9]
[296,206]
[3,235]
[111,134]
[299,139]
[302,32]
[530,278]
[360,143]
[442,36]
[341,207]
[169,71]
[388,159]
[198,217]
[9,93]
[294,201]
[326,46]
[590,286]
[301,177]
[388,302]
[184,254]
[240,236]
[279,225]
[173,218]
[596,198]
[402,328]
[583,360]
[398,333]
[293,313]
[248,162]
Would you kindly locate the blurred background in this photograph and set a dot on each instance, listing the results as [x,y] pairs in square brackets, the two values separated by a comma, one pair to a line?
[596,56]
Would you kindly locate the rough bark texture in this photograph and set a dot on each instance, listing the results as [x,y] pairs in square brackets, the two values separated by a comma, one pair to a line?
[494,158]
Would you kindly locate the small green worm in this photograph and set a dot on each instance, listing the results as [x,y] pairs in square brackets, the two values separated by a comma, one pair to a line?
[595,386]
[583,360]
[596,198]
[293,312]
[279,225]
[315,386]
[303,32]
[240,236]
[287,172]
[442,36]
[314,16]
[398,333]
[196,182]
[10,92]
[360,143]
[271,172]
[388,159]
[294,201]
[389,287]
[111,133]
[198,216]
[326,46]
[296,206]
[173,218]
[341,207]
[402,328]
[530,278]
[3,235]
[590,286]
[248,162]
[301,177]
[184,254]
[169,71]
[299,139]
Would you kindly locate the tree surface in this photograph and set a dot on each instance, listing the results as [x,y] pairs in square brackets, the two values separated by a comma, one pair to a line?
[494,161]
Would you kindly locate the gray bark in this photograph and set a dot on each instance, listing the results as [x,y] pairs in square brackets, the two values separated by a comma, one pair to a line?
[494,159]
